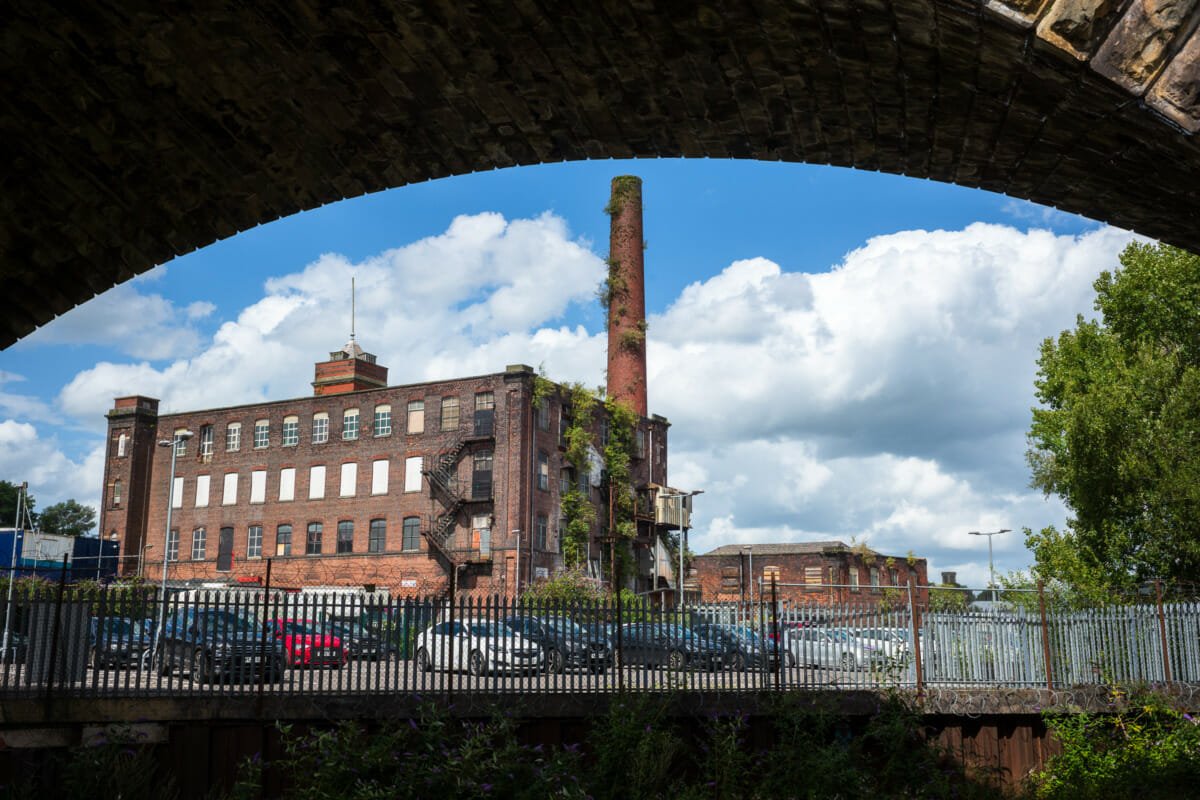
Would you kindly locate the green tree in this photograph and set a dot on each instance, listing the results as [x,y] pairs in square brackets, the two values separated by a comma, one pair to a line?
[68,518]
[1117,436]
[8,504]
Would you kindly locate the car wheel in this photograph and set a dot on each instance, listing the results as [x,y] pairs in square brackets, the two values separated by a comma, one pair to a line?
[738,663]
[476,665]
[675,660]
[555,661]
[423,664]
[200,668]
[848,661]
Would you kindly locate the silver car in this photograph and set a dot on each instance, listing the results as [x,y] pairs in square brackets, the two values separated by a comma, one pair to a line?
[827,647]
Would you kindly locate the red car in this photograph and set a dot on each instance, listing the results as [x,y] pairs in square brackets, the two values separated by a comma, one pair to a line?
[306,645]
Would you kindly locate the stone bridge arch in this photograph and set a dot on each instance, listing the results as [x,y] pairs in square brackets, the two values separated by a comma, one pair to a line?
[134,134]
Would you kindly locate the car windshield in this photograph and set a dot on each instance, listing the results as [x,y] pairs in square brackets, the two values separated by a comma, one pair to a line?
[351,628]
[225,623]
[489,629]
[565,627]
[118,627]
[746,634]
[677,632]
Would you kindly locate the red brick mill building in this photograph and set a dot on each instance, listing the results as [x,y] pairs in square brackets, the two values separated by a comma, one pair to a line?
[399,487]
[807,573]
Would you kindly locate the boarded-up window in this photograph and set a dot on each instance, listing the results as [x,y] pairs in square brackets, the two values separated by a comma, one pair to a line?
[316,483]
[177,493]
[349,479]
[731,579]
[770,574]
[412,474]
[812,576]
[202,484]
[287,484]
[449,413]
[416,416]
[379,476]
[229,496]
[258,486]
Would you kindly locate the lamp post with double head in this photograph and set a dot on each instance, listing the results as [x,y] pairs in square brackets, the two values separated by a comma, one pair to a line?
[991,569]
[173,443]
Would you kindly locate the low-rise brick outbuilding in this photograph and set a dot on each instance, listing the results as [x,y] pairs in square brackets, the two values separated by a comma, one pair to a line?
[806,573]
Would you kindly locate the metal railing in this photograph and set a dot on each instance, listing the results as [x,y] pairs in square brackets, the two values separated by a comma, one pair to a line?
[254,641]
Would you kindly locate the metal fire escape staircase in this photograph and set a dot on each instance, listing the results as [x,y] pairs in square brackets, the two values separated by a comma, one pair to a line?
[443,481]
[442,475]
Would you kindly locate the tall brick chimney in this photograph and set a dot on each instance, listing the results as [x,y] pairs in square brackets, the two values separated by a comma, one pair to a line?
[626,295]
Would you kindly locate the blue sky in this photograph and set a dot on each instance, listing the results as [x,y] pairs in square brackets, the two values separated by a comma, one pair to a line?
[843,355]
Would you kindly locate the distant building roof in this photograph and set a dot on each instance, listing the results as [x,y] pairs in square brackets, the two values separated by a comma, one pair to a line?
[780,548]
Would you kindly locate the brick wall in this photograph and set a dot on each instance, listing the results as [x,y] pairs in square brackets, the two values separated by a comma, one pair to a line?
[807,578]
[516,503]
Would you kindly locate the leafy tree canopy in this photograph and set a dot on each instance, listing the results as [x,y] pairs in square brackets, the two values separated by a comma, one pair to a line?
[68,518]
[1117,436]
[8,504]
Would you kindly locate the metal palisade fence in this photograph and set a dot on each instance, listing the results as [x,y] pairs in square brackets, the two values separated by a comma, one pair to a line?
[115,641]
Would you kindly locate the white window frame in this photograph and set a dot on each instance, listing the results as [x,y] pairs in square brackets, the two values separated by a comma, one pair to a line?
[350,424]
[291,430]
[382,425]
[262,426]
[233,437]
[173,544]
[199,543]
[320,427]
[180,444]
[254,543]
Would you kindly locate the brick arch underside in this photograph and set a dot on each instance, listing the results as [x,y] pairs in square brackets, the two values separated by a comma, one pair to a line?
[135,137]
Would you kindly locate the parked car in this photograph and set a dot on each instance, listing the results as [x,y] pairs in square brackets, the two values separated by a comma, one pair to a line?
[744,648]
[306,644]
[672,646]
[478,646]
[216,643]
[778,631]
[828,647]
[359,643]
[119,641]
[564,643]
[605,631]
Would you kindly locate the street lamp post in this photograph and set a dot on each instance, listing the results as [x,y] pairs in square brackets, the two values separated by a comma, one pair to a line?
[173,443]
[991,569]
